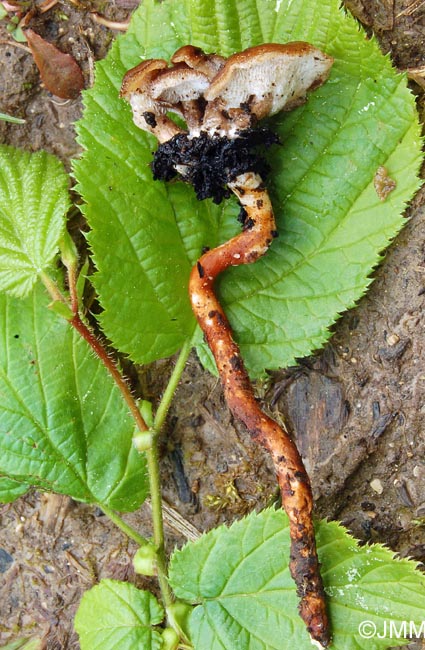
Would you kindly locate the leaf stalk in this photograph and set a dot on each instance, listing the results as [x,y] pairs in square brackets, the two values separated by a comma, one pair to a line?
[124,526]
[154,472]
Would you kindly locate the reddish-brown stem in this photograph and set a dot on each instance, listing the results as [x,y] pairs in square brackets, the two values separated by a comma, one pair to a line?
[110,365]
[93,342]
[151,454]
[252,243]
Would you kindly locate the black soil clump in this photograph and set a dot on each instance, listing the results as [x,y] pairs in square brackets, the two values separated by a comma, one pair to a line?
[212,162]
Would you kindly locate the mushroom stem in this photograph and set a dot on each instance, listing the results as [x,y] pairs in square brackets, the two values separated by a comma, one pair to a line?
[297,500]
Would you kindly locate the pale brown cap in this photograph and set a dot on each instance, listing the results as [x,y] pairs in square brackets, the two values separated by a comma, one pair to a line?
[149,113]
[137,79]
[194,57]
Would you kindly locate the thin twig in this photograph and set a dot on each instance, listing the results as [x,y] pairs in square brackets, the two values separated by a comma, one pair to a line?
[411,9]
[46,5]
[111,24]
[20,46]
[177,522]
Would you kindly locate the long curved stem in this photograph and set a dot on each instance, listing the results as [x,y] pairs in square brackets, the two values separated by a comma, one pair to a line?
[252,243]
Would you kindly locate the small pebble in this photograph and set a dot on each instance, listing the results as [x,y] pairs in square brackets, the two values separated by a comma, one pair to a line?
[393,339]
[5,560]
[377,486]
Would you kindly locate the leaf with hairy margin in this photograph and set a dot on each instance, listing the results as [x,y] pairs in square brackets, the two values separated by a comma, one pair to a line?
[33,204]
[239,582]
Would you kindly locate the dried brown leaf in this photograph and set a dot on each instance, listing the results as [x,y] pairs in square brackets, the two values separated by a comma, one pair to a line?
[59,72]
[383,183]
[418,75]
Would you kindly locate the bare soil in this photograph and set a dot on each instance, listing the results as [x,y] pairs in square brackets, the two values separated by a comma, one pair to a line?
[355,409]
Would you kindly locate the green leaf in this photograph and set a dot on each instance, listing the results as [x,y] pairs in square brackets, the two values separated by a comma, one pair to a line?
[33,203]
[63,424]
[239,579]
[118,615]
[10,490]
[333,227]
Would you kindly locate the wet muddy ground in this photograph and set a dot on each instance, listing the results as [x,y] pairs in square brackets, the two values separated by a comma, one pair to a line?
[355,409]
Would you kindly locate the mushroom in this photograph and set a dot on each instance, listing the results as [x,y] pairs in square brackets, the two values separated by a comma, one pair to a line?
[223,97]
[181,87]
[221,101]
[149,113]
[269,78]
[195,58]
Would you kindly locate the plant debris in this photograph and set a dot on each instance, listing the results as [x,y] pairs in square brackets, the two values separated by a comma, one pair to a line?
[383,183]
[59,72]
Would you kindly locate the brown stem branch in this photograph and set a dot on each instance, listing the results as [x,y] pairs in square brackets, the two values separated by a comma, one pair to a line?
[110,365]
[297,500]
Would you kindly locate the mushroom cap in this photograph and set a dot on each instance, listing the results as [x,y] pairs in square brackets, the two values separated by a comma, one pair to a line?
[270,78]
[196,58]
[178,84]
[149,113]
[138,78]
